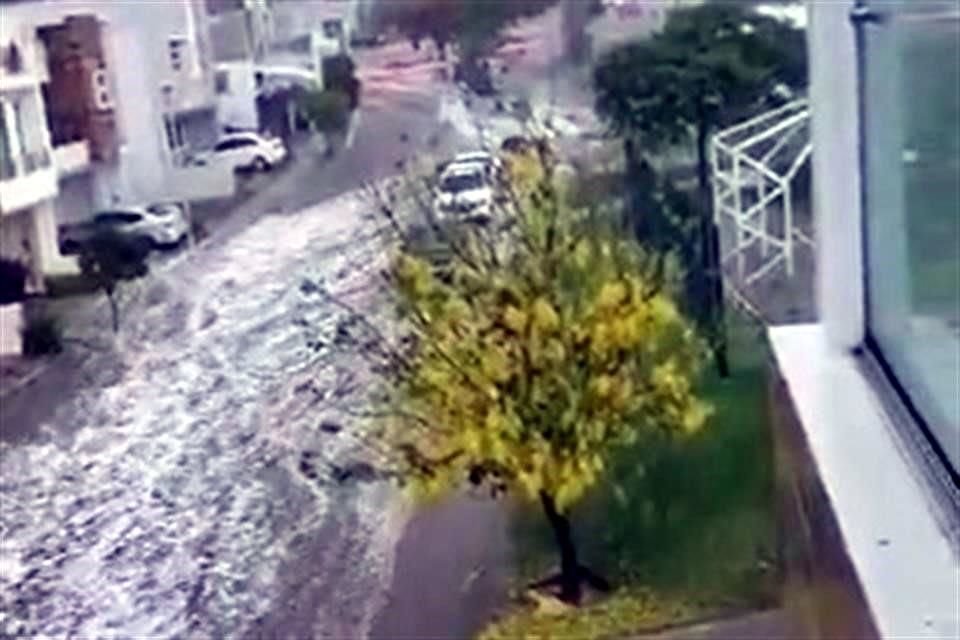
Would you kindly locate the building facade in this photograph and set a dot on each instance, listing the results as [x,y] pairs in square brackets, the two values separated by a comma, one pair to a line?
[28,175]
[126,92]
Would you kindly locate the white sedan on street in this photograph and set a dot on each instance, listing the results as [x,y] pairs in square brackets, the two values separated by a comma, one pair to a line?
[247,150]
[464,190]
[155,226]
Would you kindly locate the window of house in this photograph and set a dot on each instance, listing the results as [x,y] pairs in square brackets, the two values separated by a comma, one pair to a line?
[176,52]
[6,153]
[911,153]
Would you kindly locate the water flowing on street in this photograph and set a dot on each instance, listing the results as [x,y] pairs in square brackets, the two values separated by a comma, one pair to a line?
[183,491]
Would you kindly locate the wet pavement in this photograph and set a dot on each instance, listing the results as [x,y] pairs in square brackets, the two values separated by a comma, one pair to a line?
[182,489]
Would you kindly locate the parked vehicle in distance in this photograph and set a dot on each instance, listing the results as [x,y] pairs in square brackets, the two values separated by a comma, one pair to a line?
[464,190]
[246,150]
[491,163]
[157,226]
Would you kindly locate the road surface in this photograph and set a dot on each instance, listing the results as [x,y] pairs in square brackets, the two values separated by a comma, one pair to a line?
[183,487]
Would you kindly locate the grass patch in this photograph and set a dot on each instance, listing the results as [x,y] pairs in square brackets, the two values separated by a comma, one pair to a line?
[683,530]
[615,615]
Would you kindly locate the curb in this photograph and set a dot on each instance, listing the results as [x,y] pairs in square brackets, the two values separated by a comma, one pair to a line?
[25,381]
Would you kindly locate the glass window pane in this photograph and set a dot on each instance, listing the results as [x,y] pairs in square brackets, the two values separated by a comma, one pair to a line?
[912,178]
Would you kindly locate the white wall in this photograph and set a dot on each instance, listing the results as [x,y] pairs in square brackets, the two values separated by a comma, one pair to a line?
[11,322]
[836,175]
[238,106]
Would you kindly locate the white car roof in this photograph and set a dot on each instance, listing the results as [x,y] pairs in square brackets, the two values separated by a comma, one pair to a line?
[473,156]
[241,135]
[463,168]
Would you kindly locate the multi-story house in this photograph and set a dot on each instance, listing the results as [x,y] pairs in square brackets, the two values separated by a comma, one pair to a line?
[126,91]
[28,174]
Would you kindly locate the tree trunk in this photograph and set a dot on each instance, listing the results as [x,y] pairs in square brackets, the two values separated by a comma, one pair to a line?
[710,252]
[569,566]
[114,310]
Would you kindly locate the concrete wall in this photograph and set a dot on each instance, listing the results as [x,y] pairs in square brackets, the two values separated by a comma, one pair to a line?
[75,202]
[237,105]
[30,236]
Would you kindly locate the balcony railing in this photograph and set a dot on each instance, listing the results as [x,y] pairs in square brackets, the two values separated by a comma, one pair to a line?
[26,180]
[24,164]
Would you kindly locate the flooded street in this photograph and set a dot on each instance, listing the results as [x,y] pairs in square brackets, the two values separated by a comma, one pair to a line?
[182,491]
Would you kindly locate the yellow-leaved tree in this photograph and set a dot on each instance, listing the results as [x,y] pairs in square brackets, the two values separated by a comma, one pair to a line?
[543,343]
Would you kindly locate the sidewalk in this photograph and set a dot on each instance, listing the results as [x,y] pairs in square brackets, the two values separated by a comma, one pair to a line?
[450,574]
[17,372]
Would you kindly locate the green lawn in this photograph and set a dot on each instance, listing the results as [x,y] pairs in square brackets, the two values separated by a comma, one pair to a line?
[683,530]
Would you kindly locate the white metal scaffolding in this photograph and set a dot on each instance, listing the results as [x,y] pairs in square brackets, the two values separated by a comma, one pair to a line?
[754,164]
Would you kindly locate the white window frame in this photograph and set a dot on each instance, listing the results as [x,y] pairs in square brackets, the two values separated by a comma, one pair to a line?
[902,547]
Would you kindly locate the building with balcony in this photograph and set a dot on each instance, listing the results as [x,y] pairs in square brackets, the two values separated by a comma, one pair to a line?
[127,92]
[28,175]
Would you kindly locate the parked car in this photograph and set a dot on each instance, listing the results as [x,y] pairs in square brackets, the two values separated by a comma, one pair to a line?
[246,150]
[491,163]
[464,190]
[157,226]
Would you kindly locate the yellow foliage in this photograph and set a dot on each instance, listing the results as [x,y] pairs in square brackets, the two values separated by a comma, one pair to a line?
[545,318]
[541,364]
[515,319]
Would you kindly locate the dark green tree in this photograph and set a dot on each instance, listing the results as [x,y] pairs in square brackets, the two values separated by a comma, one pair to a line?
[710,66]
[339,74]
[472,24]
[328,111]
[110,258]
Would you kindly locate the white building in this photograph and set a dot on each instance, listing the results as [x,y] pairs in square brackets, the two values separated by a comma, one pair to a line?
[865,398]
[28,174]
[128,91]
[332,22]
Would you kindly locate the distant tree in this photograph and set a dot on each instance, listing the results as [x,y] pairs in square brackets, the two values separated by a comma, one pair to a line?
[542,347]
[472,24]
[327,111]
[111,258]
[339,74]
[711,65]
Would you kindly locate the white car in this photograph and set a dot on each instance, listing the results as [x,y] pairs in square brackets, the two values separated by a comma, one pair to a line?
[490,162]
[464,190]
[249,150]
[157,226]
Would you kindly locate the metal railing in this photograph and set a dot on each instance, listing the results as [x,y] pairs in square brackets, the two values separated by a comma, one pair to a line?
[24,164]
